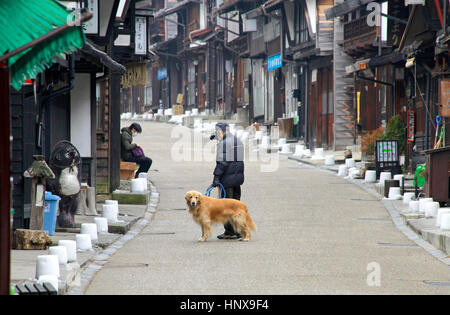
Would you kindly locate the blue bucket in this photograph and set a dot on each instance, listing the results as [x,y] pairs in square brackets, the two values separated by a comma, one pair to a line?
[50,211]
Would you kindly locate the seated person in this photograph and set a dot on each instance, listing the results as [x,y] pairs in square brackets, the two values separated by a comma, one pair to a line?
[127,147]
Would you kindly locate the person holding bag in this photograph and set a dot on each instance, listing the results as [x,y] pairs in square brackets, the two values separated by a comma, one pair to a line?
[132,152]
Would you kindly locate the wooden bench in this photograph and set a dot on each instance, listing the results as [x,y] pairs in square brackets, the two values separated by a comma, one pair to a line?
[127,170]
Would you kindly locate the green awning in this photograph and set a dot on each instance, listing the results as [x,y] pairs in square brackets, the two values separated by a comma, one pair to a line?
[22,21]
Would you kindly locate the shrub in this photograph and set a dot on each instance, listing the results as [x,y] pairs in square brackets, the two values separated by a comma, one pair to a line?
[368,140]
[395,130]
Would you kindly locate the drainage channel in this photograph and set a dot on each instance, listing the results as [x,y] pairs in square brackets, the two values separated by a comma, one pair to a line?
[375,219]
[138,265]
[438,283]
[158,233]
[398,244]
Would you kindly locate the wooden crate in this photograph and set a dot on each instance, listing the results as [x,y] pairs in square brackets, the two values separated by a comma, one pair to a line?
[127,170]
[177,109]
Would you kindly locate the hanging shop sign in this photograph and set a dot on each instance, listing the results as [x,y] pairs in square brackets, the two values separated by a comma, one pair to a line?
[136,75]
[410,125]
[140,39]
[444,97]
[91,26]
[414,2]
[274,62]
[162,74]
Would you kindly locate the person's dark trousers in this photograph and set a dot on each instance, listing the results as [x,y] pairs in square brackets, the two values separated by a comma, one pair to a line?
[235,193]
[143,162]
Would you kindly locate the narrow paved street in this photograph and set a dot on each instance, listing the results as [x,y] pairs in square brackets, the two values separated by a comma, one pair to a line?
[317,234]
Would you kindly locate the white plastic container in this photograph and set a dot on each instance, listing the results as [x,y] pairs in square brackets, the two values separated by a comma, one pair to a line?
[431,209]
[47,265]
[400,178]
[141,175]
[350,162]
[110,212]
[342,171]
[407,196]
[299,149]
[83,242]
[136,185]
[102,224]
[91,229]
[441,211]
[52,279]
[195,111]
[445,221]
[144,183]
[71,247]
[265,142]
[394,193]
[60,251]
[329,160]
[370,176]
[318,152]
[258,135]
[286,148]
[281,141]
[422,202]
[385,176]
[414,206]
[307,152]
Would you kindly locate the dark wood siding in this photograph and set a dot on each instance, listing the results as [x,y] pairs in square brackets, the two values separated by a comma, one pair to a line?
[23,128]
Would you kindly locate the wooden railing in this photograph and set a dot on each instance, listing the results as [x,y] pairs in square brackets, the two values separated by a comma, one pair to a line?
[357,28]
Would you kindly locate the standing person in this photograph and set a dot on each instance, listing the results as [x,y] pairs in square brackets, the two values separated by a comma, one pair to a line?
[229,169]
[127,147]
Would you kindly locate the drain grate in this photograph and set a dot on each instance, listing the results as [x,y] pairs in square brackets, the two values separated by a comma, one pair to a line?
[176,209]
[355,199]
[341,183]
[138,265]
[438,283]
[398,244]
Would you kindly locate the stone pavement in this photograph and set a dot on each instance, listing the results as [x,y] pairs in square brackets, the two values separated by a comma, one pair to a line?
[72,275]
[317,234]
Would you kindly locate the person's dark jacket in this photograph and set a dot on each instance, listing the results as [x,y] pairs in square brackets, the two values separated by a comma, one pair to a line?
[126,144]
[229,169]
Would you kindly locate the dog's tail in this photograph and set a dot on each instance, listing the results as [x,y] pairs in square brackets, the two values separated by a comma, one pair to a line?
[250,222]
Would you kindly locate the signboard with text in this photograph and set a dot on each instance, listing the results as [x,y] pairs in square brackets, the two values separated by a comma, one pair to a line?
[140,38]
[274,62]
[162,74]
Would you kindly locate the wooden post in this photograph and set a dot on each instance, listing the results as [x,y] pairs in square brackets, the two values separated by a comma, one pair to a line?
[5,183]
[37,204]
[38,172]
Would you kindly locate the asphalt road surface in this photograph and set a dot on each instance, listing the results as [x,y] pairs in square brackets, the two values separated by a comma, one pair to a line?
[317,234]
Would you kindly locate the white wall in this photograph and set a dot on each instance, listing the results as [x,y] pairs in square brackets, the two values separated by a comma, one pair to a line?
[80,114]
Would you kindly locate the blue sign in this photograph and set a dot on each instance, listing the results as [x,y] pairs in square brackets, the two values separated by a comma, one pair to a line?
[162,74]
[274,62]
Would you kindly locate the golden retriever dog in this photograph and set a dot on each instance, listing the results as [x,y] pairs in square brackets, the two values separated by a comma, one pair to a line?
[207,211]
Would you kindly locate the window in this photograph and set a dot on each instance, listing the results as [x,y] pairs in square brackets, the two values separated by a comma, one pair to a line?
[301,25]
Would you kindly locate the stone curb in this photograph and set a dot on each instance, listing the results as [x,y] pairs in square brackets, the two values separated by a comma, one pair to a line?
[421,237]
[95,264]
